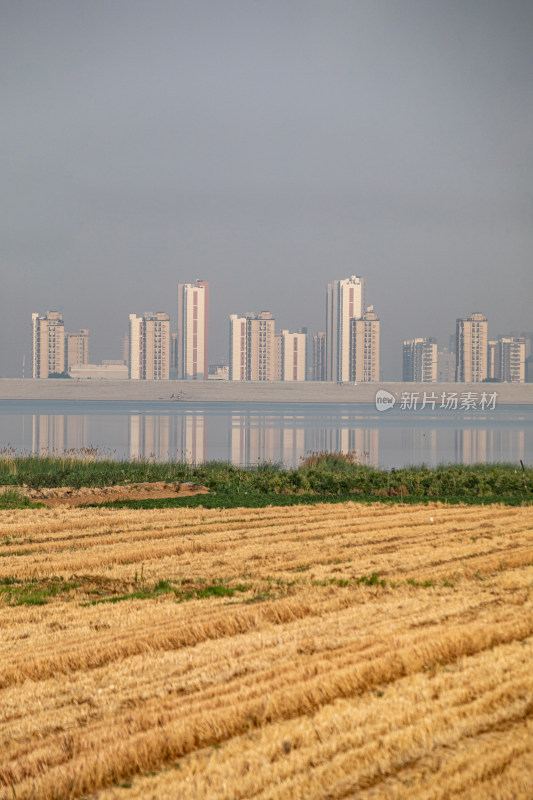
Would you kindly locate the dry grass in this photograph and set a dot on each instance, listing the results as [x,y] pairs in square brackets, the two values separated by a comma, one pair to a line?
[352,651]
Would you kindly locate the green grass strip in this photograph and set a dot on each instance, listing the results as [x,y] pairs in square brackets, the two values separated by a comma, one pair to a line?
[325,477]
[260,500]
[165,588]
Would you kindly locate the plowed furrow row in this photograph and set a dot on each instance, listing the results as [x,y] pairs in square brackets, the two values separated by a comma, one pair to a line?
[170,739]
[368,652]
[378,744]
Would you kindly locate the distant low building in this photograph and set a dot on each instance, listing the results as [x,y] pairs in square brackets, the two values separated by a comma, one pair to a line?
[218,372]
[107,370]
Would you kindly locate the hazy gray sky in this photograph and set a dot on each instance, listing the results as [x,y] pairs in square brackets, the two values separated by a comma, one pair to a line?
[268,147]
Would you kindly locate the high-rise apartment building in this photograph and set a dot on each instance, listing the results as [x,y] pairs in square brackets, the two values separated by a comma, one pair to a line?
[420,360]
[364,347]
[291,356]
[48,334]
[173,371]
[193,330]
[149,347]
[252,355]
[308,353]
[506,359]
[529,369]
[445,366]
[345,301]
[135,347]
[493,370]
[55,351]
[260,346]
[237,348]
[319,356]
[471,349]
[512,359]
[76,349]
[527,336]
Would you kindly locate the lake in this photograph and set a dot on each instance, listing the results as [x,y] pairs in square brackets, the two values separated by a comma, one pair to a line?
[249,433]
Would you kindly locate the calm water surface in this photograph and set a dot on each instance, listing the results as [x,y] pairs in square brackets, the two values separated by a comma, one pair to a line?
[250,433]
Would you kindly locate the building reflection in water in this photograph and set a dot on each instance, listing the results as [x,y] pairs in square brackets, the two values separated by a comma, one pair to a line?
[257,438]
[287,439]
[165,437]
[420,446]
[471,445]
[149,437]
[191,438]
[57,433]
[245,438]
[475,445]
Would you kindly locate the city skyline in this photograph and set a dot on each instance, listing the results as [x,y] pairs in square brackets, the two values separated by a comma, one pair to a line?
[266,148]
[349,350]
[220,355]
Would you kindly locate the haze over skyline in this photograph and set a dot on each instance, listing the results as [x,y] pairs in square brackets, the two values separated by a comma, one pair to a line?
[268,149]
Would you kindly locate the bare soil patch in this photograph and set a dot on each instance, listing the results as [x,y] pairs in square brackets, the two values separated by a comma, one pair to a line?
[66,496]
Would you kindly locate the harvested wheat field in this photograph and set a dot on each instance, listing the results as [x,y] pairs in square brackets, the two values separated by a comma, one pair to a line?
[329,651]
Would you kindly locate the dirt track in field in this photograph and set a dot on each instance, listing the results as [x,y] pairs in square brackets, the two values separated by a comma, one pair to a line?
[64,496]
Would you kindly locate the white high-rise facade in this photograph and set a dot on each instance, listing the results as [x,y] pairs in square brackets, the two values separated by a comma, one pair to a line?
[345,301]
[319,356]
[149,347]
[420,360]
[512,359]
[193,330]
[134,347]
[237,348]
[471,342]
[506,360]
[252,352]
[48,334]
[364,353]
[55,351]
[291,356]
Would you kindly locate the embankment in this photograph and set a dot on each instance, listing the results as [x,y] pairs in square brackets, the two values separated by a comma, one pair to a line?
[247,392]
